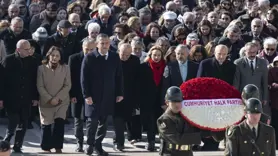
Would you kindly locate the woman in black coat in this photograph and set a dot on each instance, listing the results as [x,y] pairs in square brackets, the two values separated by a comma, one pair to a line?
[150,90]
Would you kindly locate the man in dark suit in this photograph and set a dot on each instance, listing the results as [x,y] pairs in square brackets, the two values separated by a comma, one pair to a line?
[20,91]
[77,101]
[223,69]
[218,66]
[1,90]
[102,88]
[252,70]
[177,72]
[256,31]
[126,108]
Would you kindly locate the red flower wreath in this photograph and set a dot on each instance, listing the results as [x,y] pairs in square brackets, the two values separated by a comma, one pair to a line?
[208,88]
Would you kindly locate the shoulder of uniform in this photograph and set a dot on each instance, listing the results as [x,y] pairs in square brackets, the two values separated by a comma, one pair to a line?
[232,131]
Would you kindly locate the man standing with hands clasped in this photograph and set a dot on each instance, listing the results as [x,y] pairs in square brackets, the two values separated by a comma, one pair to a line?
[102,88]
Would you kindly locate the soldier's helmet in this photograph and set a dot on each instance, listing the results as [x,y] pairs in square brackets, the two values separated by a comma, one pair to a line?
[173,94]
[250,91]
[253,106]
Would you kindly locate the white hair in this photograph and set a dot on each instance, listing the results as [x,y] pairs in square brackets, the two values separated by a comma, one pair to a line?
[263,2]
[16,19]
[21,42]
[168,4]
[93,27]
[73,15]
[181,46]
[104,9]
[188,14]
[257,20]
[270,41]
[13,6]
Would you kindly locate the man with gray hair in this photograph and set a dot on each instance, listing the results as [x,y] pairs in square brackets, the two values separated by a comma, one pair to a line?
[13,11]
[77,101]
[104,19]
[20,91]
[179,71]
[102,87]
[270,50]
[13,34]
[256,31]
[187,21]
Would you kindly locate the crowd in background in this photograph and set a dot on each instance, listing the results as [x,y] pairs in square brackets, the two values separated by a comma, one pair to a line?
[89,59]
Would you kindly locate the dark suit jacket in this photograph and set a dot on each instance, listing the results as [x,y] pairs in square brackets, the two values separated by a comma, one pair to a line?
[211,68]
[75,62]
[172,77]
[2,82]
[20,82]
[102,80]
[248,37]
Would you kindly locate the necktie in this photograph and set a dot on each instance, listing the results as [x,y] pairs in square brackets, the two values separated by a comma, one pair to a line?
[252,66]
[254,132]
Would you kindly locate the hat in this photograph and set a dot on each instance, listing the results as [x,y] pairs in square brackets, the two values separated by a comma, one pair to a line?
[192,36]
[169,15]
[64,24]
[40,33]
[20,3]
[52,6]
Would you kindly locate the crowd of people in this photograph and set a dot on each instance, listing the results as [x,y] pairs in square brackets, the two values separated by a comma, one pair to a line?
[100,58]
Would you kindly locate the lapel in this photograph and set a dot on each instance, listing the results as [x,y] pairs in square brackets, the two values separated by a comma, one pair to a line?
[257,65]
[177,67]
[245,129]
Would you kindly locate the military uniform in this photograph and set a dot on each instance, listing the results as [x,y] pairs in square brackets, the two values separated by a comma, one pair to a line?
[177,135]
[244,140]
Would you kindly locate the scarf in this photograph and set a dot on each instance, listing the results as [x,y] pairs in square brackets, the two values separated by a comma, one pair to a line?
[157,69]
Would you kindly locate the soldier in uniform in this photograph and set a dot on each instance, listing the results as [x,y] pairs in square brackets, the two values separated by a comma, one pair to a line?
[177,135]
[252,91]
[251,137]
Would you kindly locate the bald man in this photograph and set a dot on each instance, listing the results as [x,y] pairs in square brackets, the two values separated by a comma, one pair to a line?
[218,66]
[20,91]
[221,68]
[125,110]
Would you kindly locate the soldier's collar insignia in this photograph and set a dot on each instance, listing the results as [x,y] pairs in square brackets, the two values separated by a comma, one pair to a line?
[163,125]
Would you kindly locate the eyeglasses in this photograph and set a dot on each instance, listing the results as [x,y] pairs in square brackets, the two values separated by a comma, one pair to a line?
[269,49]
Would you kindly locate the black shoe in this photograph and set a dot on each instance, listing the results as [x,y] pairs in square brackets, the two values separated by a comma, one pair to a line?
[67,122]
[101,152]
[150,146]
[79,148]
[89,150]
[119,147]
[16,150]
[30,126]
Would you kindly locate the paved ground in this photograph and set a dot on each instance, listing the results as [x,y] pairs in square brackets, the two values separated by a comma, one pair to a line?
[32,142]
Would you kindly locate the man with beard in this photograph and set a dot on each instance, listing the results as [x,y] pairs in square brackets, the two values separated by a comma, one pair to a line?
[46,18]
[252,70]
[20,91]
[13,34]
[126,108]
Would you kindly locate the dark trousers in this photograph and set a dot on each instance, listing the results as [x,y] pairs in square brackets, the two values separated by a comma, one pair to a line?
[78,130]
[53,139]
[151,126]
[34,113]
[134,128]
[210,144]
[96,130]
[119,128]
[274,123]
[17,124]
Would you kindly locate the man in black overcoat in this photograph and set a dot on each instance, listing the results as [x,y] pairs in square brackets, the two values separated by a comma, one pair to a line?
[2,82]
[179,71]
[20,91]
[218,66]
[126,108]
[102,88]
[221,68]
[77,100]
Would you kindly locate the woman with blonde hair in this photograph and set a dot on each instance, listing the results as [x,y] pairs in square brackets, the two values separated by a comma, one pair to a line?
[135,25]
[210,47]
[151,73]
[53,83]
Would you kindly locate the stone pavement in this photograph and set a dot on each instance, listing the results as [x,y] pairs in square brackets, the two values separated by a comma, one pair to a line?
[32,144]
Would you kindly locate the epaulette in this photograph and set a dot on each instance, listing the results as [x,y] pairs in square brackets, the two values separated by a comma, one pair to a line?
[230,131]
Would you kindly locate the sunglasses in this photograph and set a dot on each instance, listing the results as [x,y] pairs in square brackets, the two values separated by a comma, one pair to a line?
[270,49]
